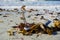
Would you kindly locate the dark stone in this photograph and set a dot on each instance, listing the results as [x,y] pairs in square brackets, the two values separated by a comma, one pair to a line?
[29,16]
[0,14]
[38,14]
[5,16]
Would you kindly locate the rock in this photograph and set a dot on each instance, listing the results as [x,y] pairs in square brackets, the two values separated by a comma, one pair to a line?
[0,14]
[8,10]
[1,9]
[51,13]
[18,12]
[29,16]
[5,16]
[49,31]
[37,35]
[35,17]
[16,24]
[4,9]
[16,9]
[38,14]
[11,20]
[22,18]
[58,13]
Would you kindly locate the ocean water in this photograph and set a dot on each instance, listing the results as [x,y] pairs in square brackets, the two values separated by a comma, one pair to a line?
[28,3]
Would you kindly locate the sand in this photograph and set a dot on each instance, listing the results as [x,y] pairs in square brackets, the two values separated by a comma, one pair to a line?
[13,18]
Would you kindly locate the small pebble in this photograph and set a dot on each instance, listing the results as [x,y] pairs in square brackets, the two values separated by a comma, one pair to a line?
[16,24]
[37,35]
[35,17]
[37,14]
[11,20]
[29,16]
[21,18]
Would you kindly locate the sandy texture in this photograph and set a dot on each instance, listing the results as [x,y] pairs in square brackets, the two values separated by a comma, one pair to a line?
[13,18]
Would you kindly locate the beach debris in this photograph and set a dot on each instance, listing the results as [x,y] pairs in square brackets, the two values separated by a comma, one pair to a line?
[12,31]
[57,24]
[29,29]
[32,10]
[42,17]
[23,8]
[49,31]
[38,34]
[59,13]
